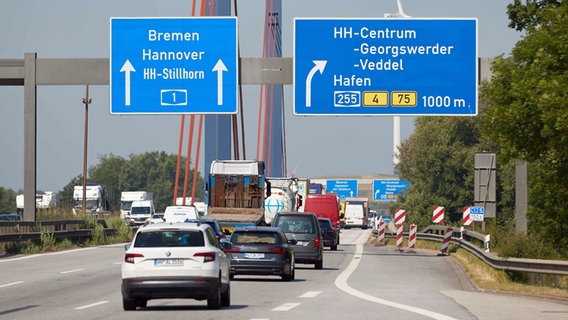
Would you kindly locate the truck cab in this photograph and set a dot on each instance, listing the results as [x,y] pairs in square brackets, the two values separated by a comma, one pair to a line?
[140,212]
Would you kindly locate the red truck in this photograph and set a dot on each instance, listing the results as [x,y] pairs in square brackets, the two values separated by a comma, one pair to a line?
[326,206]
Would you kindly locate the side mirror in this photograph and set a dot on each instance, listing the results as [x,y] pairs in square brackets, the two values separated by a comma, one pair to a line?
[226,245]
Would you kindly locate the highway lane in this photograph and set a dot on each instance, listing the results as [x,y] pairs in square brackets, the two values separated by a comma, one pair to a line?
[358,282]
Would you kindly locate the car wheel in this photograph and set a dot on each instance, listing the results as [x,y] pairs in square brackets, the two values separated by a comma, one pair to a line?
[319,264]
[226,297]
[214,301]
[334,247]
[128,304]
[142,303]
[290,275]
[231,276]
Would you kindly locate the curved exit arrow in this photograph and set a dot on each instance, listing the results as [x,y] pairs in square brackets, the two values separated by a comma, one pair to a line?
[220,67]
[127,68]
[319,66]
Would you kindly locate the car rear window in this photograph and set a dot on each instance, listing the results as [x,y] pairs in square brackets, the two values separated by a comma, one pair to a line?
[325,225]
[255,237]
[177,238]
[296,224]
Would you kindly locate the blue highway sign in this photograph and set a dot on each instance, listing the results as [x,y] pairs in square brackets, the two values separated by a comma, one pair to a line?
[343,188]
[380,67]
[388,190]
[173,65]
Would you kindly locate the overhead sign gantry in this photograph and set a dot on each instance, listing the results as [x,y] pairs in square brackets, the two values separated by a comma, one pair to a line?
[412,67]
[173,65]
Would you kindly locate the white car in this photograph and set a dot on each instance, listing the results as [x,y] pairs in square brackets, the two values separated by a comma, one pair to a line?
[180,213]
[169,261]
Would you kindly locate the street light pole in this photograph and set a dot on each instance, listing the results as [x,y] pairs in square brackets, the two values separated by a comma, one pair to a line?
[86,101]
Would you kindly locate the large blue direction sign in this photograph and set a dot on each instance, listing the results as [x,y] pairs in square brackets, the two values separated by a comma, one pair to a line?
[343,188]
[374,67]
[388,189]
[173,65]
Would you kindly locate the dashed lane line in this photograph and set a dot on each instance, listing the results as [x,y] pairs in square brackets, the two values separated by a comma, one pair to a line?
[10,284]
[92,305]
[286,307]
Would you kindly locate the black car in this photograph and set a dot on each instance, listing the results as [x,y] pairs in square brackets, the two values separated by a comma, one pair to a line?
[329,233]
[261,251]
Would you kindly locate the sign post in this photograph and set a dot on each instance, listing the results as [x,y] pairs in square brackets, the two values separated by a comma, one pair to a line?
[374,67]
[173,65]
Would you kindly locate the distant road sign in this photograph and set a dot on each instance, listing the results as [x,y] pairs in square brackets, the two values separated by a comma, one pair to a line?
[477,213]
[343,188]
[173,65]
[388,190]
[385,67]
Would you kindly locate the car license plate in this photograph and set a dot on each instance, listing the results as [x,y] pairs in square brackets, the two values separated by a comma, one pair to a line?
[254,255]
[168,262]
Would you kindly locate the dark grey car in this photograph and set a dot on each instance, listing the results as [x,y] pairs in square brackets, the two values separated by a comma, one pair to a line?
[261,251]
[305,229]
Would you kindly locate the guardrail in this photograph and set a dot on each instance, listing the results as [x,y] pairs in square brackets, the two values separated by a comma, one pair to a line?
[467,239]
[29,230]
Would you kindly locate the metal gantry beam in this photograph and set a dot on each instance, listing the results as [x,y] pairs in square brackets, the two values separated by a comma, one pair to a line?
[31,72]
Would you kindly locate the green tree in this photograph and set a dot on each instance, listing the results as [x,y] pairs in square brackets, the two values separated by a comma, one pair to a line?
[106,173]
[7,200]
[438,162]
[528,115]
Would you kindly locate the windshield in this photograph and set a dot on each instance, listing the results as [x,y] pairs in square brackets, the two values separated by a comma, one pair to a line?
[140,210]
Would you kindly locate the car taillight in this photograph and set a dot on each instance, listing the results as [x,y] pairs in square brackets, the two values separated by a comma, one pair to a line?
[277,250]
[233,250]
[129,257]
[207,256]
[317,242]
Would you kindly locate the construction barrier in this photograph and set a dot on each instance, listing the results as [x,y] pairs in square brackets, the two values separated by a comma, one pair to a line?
[438,215]
[412,238]
[399,216]
[447,239]
[466,217]
[381,232]
[399,236]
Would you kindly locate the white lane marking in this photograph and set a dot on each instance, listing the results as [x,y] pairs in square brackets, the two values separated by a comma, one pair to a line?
[286,307]
[92,305]
[341,283]
[310,294]
[71,271]
[11,284]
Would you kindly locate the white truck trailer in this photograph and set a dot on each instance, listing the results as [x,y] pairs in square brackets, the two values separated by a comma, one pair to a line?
[126,199]
[96,199]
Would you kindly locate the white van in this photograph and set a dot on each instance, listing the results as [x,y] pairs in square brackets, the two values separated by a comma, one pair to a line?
[174,214]
[140,211]
[355,215]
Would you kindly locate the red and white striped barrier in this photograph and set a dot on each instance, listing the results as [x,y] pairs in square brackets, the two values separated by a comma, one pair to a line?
[381,232]
[447,239]
[412,237]
[399,217]
[438,215]
[466,217]
[399,236]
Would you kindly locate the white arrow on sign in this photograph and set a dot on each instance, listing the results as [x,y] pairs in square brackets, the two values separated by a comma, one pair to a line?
[319,66]
[127,68]
[220,67]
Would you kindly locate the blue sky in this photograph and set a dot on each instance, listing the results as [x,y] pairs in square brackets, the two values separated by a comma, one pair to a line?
[316,146]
